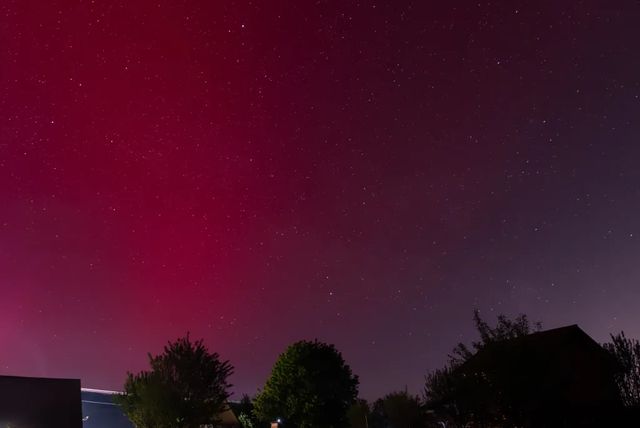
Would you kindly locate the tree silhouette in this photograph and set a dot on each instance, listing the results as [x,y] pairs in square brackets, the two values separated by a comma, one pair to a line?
[310,387]
[186,388]
[445,390]
[627,353]
[359,414]
[505,329]
[244,411]
[402,410]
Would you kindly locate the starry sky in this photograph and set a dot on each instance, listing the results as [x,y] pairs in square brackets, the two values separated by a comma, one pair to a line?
[361,172]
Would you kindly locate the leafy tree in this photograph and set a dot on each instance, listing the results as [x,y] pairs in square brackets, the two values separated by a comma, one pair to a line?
[402,410]
[627,353]
[185,388]
[359,414]
[245,420]
[505,329]
[440,390]
[310,387]
[244,410]
[378,418]
[396,410]
[444,388]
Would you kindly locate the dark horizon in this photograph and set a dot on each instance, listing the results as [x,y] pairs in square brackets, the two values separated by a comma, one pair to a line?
[363,173]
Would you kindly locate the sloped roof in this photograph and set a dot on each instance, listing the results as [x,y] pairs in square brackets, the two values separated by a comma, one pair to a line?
[563,365]
[545,346]
[228,418]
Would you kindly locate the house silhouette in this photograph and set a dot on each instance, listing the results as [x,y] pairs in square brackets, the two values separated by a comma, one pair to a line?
[40,402]
[554,378]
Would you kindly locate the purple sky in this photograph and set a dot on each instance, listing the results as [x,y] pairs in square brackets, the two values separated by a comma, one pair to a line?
[365,173]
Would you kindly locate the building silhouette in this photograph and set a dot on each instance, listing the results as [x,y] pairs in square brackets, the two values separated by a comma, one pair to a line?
[40,402]
[554,378]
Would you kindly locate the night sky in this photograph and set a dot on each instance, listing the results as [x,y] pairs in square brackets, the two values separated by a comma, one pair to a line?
[259,172]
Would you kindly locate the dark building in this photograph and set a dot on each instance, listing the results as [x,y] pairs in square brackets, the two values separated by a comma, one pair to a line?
[554,378]
[40,402]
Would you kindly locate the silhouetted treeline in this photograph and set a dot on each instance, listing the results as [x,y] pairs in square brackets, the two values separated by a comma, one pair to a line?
[514,375]
[518,375]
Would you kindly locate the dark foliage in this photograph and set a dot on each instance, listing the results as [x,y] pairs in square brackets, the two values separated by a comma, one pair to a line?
[359,414]
[245,413]
[185,388]
[310,387]
[377,418]
[440,390]
[402,410]
[627,353]
[449,395]
[505,329]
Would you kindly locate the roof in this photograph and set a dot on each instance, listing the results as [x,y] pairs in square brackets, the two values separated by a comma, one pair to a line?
[544,345]
[562,364]
[228,418]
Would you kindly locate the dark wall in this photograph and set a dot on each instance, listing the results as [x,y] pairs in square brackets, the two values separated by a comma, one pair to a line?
[40,403]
